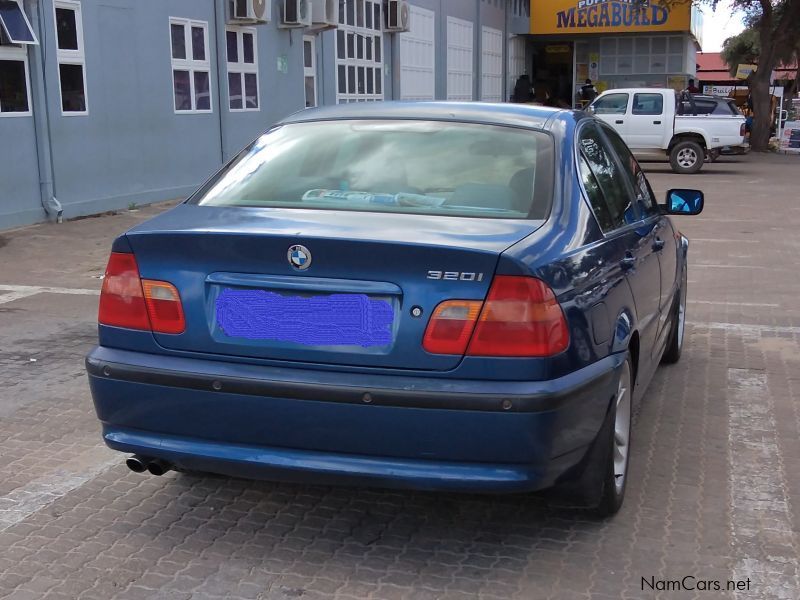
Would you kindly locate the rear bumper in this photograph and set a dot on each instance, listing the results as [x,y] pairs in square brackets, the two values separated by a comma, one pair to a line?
[328,427]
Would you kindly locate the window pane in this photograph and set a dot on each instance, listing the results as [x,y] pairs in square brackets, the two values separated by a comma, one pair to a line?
[613,104]
[13,20]
[251,90]
[308,57]
[648,104]
[497,172]
[351,45]
[645,201]
[235,90]
[659,45]
[360,47]
[362,84]
[376,21]
[368,17]
[198,43]
[340,45]
[311,92]
[351,80]
[377,49]
[233,46]
[66,29]
[606,170]
[183,97]
[247,49]
[595,195]
[360,13]
[13,88]
[370,80]
[202,96]
[351,19]
[178,41]
[342,80]
[378,81]
[368,53]
[72,96]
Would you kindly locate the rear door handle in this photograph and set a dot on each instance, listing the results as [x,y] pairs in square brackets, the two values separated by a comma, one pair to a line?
[658,244]
[619,121]
[656,122]
[627,263]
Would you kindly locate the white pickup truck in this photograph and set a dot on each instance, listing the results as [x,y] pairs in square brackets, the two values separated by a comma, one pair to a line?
[688,127]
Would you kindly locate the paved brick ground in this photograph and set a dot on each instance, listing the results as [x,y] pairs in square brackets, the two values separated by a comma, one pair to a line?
[714,490]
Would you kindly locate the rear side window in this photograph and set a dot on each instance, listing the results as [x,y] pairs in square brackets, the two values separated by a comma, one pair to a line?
[604,180]
[392,166]
[645,200]
[707,106]
[648,104]
[612,104]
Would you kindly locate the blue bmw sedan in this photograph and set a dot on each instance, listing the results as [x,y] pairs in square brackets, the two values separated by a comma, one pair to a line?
[426,295]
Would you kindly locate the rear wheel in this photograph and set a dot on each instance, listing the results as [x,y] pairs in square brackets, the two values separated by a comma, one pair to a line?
[675,344]
[686,157]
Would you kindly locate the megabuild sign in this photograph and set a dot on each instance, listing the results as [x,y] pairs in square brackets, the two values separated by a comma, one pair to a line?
[607,16]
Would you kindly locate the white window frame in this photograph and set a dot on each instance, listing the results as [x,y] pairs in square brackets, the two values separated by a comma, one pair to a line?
[191,65]
[240,67]
[18,53]
[358,63]
[71,57]
[310,71]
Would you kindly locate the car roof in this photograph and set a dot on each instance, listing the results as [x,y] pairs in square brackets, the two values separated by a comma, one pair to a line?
[518,115]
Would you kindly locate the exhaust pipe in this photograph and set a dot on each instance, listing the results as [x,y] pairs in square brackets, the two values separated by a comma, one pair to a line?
[158,467]
[137,464]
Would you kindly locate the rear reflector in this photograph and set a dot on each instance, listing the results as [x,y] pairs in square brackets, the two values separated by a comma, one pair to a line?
[520,317]
[128,301]
[742,130]
[450,326]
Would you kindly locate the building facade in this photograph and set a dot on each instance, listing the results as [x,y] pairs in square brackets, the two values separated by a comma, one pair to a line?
[107,103]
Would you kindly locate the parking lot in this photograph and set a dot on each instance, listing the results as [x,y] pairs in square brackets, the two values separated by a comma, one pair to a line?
[713,498]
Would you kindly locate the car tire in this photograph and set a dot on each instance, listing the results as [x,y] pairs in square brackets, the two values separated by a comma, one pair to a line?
[686,157]
[672,354]
[615,444]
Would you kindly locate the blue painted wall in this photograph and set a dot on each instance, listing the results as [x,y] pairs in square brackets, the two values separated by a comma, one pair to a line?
[132,146]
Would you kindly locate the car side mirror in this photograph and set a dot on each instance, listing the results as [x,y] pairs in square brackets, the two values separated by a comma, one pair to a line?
[684,202]
[590,109]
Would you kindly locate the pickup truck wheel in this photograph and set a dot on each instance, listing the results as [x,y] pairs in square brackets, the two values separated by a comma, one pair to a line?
[686,157]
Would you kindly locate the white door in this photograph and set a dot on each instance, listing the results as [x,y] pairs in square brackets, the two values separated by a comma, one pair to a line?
[491,64]
[646,124]
[417,55]
[310,70]
[459,59]
[613,109]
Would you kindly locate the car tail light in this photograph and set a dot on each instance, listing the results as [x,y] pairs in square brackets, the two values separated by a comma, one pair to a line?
[450,326]
[128,301]
[742,129]
[520,317]
[163,306]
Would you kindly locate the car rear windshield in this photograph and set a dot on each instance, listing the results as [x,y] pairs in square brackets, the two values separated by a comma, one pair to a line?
[393,166]
[709,106]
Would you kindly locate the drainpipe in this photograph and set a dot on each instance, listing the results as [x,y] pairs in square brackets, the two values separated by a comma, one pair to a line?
[222,67]
[41,118]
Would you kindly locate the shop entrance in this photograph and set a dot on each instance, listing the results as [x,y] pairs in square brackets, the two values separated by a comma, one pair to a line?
[552,73]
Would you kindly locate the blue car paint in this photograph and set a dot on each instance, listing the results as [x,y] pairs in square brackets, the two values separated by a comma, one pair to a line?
[316,439]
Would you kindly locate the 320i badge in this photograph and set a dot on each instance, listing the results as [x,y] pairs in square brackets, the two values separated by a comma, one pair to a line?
[433,296]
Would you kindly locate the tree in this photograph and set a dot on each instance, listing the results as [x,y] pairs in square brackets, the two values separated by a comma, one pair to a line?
[772,36]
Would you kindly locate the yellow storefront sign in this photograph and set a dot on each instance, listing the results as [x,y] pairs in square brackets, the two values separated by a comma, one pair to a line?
[608,16]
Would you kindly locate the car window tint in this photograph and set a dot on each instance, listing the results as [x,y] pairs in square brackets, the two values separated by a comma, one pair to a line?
[645,200]
[611,181]
[648,104]
[420,167]
[613,104]
[595,195]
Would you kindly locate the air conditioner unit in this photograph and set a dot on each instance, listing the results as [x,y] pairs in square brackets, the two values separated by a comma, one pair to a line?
[398,17]
[295,13]
[249,11]
[324,14]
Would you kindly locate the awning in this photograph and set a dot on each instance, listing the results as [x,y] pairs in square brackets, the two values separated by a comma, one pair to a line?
[15,23]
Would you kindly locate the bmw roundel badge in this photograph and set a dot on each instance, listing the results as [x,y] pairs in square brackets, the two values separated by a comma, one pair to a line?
[299,257]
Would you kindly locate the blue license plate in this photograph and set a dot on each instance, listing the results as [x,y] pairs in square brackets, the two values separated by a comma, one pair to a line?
[318,320]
